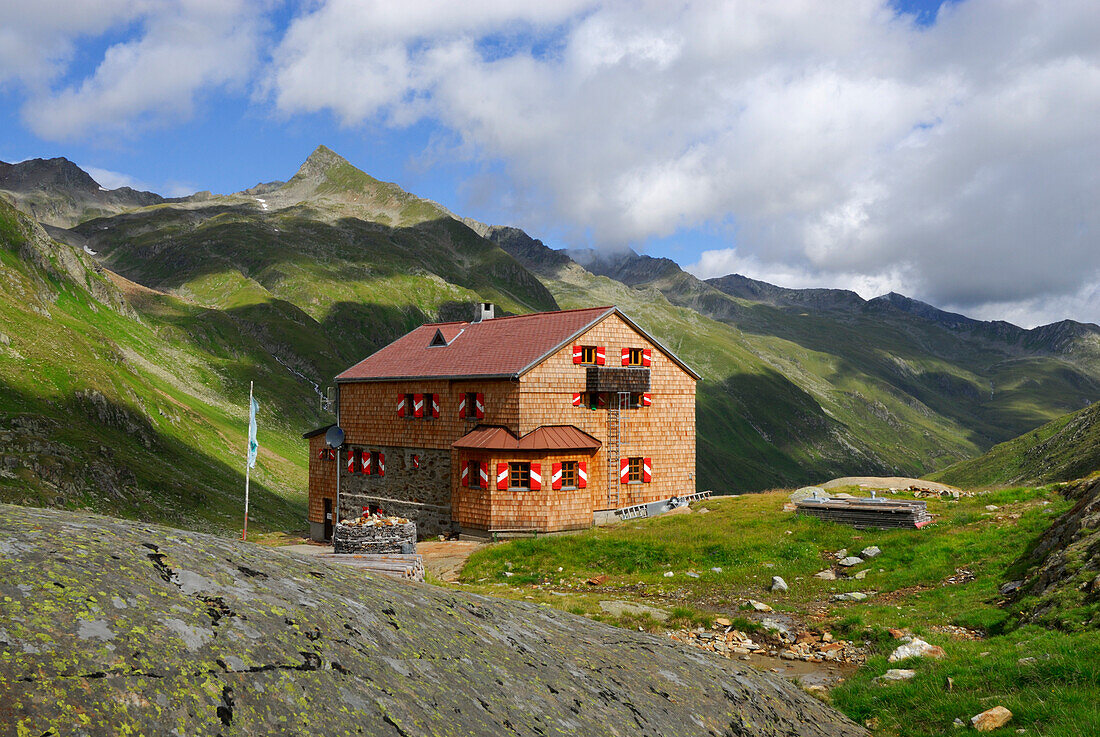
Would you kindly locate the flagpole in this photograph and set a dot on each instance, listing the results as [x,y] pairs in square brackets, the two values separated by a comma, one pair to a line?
[247,468]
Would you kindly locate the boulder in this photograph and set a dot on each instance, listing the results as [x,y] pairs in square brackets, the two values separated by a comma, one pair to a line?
[826,575]
[991,719]
[916,648]
[896,674]
[778,584]
[123,627]
[870,552]
[850,561]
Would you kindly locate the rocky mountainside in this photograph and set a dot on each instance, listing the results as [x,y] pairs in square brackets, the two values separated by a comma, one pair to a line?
[1063,450]
[1062,588]
[57,192]
[111,627]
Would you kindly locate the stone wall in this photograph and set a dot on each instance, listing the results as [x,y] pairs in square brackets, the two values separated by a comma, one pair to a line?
[375,539]
[422,494]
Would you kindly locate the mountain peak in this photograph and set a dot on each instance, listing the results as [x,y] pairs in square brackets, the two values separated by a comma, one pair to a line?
[45,174]
[319,164]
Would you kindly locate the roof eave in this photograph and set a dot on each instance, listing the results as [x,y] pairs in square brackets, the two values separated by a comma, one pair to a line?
[423,377]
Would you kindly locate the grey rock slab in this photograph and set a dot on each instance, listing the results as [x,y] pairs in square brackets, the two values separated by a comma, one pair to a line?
[870,552]
[778,584]
[850,561]
[392,657]
[619,608]
[826,575]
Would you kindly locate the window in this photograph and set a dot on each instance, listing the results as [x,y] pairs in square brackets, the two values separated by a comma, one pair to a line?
[409,405]
[375,462]
[635,473]
[473,474]
[588,354]
[519,475]
[634,358]
[568,474]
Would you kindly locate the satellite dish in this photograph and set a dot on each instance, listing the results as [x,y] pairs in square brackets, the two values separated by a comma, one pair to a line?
[335,436]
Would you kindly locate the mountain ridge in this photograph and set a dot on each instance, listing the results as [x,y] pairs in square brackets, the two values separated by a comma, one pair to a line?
[317,272]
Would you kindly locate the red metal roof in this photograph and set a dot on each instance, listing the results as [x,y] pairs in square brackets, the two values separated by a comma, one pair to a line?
[501,347]
[550,437]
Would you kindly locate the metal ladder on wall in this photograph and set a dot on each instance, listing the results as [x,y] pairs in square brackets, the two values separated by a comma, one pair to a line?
[614,446]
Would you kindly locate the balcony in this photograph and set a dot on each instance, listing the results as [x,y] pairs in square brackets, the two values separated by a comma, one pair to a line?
[633,380]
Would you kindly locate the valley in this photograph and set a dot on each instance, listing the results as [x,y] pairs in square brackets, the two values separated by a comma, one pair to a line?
[289,282]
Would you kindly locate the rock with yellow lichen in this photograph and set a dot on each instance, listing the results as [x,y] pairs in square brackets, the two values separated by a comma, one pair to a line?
[114,627]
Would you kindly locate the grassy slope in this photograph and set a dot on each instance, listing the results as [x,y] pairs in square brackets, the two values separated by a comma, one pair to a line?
[904,368]
[1065,449]
[138,414]
[752,540]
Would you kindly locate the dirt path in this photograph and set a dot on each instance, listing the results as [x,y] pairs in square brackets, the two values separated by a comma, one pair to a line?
[445,558]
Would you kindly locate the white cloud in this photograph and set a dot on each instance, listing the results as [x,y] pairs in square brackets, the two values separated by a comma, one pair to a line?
[842,140]
[178,50]
[113,179]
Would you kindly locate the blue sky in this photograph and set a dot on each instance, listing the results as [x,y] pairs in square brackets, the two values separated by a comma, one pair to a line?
[939,152]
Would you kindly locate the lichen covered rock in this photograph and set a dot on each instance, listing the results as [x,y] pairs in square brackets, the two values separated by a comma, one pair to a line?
[114,627]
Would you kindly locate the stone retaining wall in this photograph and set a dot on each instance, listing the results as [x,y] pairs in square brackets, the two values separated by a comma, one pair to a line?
[375,540]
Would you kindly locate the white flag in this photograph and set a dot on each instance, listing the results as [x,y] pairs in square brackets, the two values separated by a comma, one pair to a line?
[253,445]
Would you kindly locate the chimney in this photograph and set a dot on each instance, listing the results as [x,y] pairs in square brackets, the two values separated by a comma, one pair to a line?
[483,311]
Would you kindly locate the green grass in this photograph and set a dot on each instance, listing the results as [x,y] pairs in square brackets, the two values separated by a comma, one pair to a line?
[751,540]
[1064,449]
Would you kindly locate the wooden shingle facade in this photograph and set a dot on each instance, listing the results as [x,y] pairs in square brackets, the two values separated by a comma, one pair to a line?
[533,422]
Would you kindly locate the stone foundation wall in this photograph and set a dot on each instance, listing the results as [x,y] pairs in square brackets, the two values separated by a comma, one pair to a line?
[377,539]
[421,494]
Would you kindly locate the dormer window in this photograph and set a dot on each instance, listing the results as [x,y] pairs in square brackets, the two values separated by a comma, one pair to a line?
[438,339]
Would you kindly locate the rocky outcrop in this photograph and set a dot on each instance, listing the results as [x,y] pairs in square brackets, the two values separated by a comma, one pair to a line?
[1063,587]
[112,627]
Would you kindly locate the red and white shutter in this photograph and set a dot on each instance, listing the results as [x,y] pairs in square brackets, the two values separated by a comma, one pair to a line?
[626,356]
[400,405]
[536,476]
[576,399]
[462,406]
[582,474]
[351,461]
[624,470]
[555,476]
[418,405]
[366,463]
[483,472]
[435,405]
[647,356]
[601,400]
[647,399]
[416,460]
[601,355]
[466,475]
[332,454]
[381,464]
[578,353]
[479,405]
[502,475]
[321,454]
[647,470]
